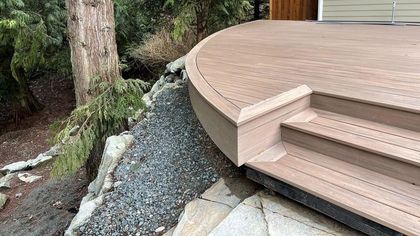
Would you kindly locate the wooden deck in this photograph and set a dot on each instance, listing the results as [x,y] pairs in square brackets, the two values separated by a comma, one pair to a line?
[333,109]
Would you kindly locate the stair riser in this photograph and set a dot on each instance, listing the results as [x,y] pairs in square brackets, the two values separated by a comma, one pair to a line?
[376,113]
[372,161]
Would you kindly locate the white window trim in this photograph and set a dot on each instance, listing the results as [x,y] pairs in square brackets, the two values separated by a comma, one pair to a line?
[320,9]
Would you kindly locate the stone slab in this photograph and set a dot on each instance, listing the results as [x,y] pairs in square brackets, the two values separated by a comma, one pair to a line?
[274,215]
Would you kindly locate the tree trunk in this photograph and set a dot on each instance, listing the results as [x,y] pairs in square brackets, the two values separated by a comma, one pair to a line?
[25,103]
[93,47]
[257,4]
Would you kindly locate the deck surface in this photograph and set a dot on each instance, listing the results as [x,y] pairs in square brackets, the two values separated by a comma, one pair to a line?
[330,109]
[252,62]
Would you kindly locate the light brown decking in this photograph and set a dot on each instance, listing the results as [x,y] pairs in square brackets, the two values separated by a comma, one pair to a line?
[255,61]
[333,109]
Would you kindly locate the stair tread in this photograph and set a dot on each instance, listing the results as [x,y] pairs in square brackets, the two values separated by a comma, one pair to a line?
[375,126]
[356,171]
[359,135]
[375,196]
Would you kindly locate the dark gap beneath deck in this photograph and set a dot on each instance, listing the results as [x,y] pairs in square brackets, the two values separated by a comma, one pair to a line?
[335,212]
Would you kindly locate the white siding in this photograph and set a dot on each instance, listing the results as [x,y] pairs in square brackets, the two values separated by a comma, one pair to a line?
[370,10]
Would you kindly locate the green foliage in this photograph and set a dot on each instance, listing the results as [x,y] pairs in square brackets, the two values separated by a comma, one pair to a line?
[135,19]
[99,118]
[206,16]
[31,32]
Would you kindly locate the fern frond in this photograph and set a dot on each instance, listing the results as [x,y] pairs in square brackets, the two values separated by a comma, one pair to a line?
[99,118]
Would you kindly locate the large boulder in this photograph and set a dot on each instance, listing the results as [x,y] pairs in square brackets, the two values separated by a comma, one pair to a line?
[114,149]
[266,214]
[203,214]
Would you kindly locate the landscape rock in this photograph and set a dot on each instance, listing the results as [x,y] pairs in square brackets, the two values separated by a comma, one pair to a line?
[18,195]
[170,78]
[169,232]
[53,151]
[184,75]
[160,229]
[114,149]
[177,65]
[29,164]
[41,158]
[28,178]
[14,167]
[138,115]
[245,219]
[201,216]
[147,100]
[286,217]
[5,181]
[265,214]
[168,68]
[85,212]
[58,205]
[231,191]
[3,200]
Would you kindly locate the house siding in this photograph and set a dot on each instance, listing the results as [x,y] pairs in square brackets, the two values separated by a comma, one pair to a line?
[370,10]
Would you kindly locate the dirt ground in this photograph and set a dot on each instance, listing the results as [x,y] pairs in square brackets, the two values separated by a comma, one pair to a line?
[30,137]
[33,213]
[47,209]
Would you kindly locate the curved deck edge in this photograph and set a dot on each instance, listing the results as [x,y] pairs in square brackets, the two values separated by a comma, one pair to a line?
[243,133]
[214,99]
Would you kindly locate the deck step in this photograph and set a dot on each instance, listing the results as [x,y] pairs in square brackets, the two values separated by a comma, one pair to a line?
[389,145]
[383,199]
[386,149]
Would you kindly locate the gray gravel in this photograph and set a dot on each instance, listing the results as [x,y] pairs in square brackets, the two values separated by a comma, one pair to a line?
[172,162]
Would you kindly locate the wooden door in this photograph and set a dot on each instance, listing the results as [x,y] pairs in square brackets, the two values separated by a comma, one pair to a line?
[293,9]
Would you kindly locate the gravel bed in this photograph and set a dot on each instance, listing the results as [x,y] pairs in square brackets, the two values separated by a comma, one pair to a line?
[172,162]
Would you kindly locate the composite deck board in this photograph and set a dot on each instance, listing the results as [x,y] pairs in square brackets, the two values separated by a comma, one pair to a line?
[318,55]
[343,189]
[404,133]
[397,186]
[358,141]
[363,188]
[331,109]
[369,133]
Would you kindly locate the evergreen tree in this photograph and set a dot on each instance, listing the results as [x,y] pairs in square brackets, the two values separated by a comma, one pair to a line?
[206,16]
[29,32]
[104,99]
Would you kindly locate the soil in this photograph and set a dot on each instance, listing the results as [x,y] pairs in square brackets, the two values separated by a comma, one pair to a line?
[19,142]
[47,210]
[23,141]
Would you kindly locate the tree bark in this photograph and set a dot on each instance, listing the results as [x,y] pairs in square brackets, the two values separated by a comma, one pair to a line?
[25,103]
[91,27]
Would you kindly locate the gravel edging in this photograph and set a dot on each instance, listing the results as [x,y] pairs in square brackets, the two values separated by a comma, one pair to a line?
[171,162]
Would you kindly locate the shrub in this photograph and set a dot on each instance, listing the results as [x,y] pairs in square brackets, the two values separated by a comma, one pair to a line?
[98,119]
[161,48]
